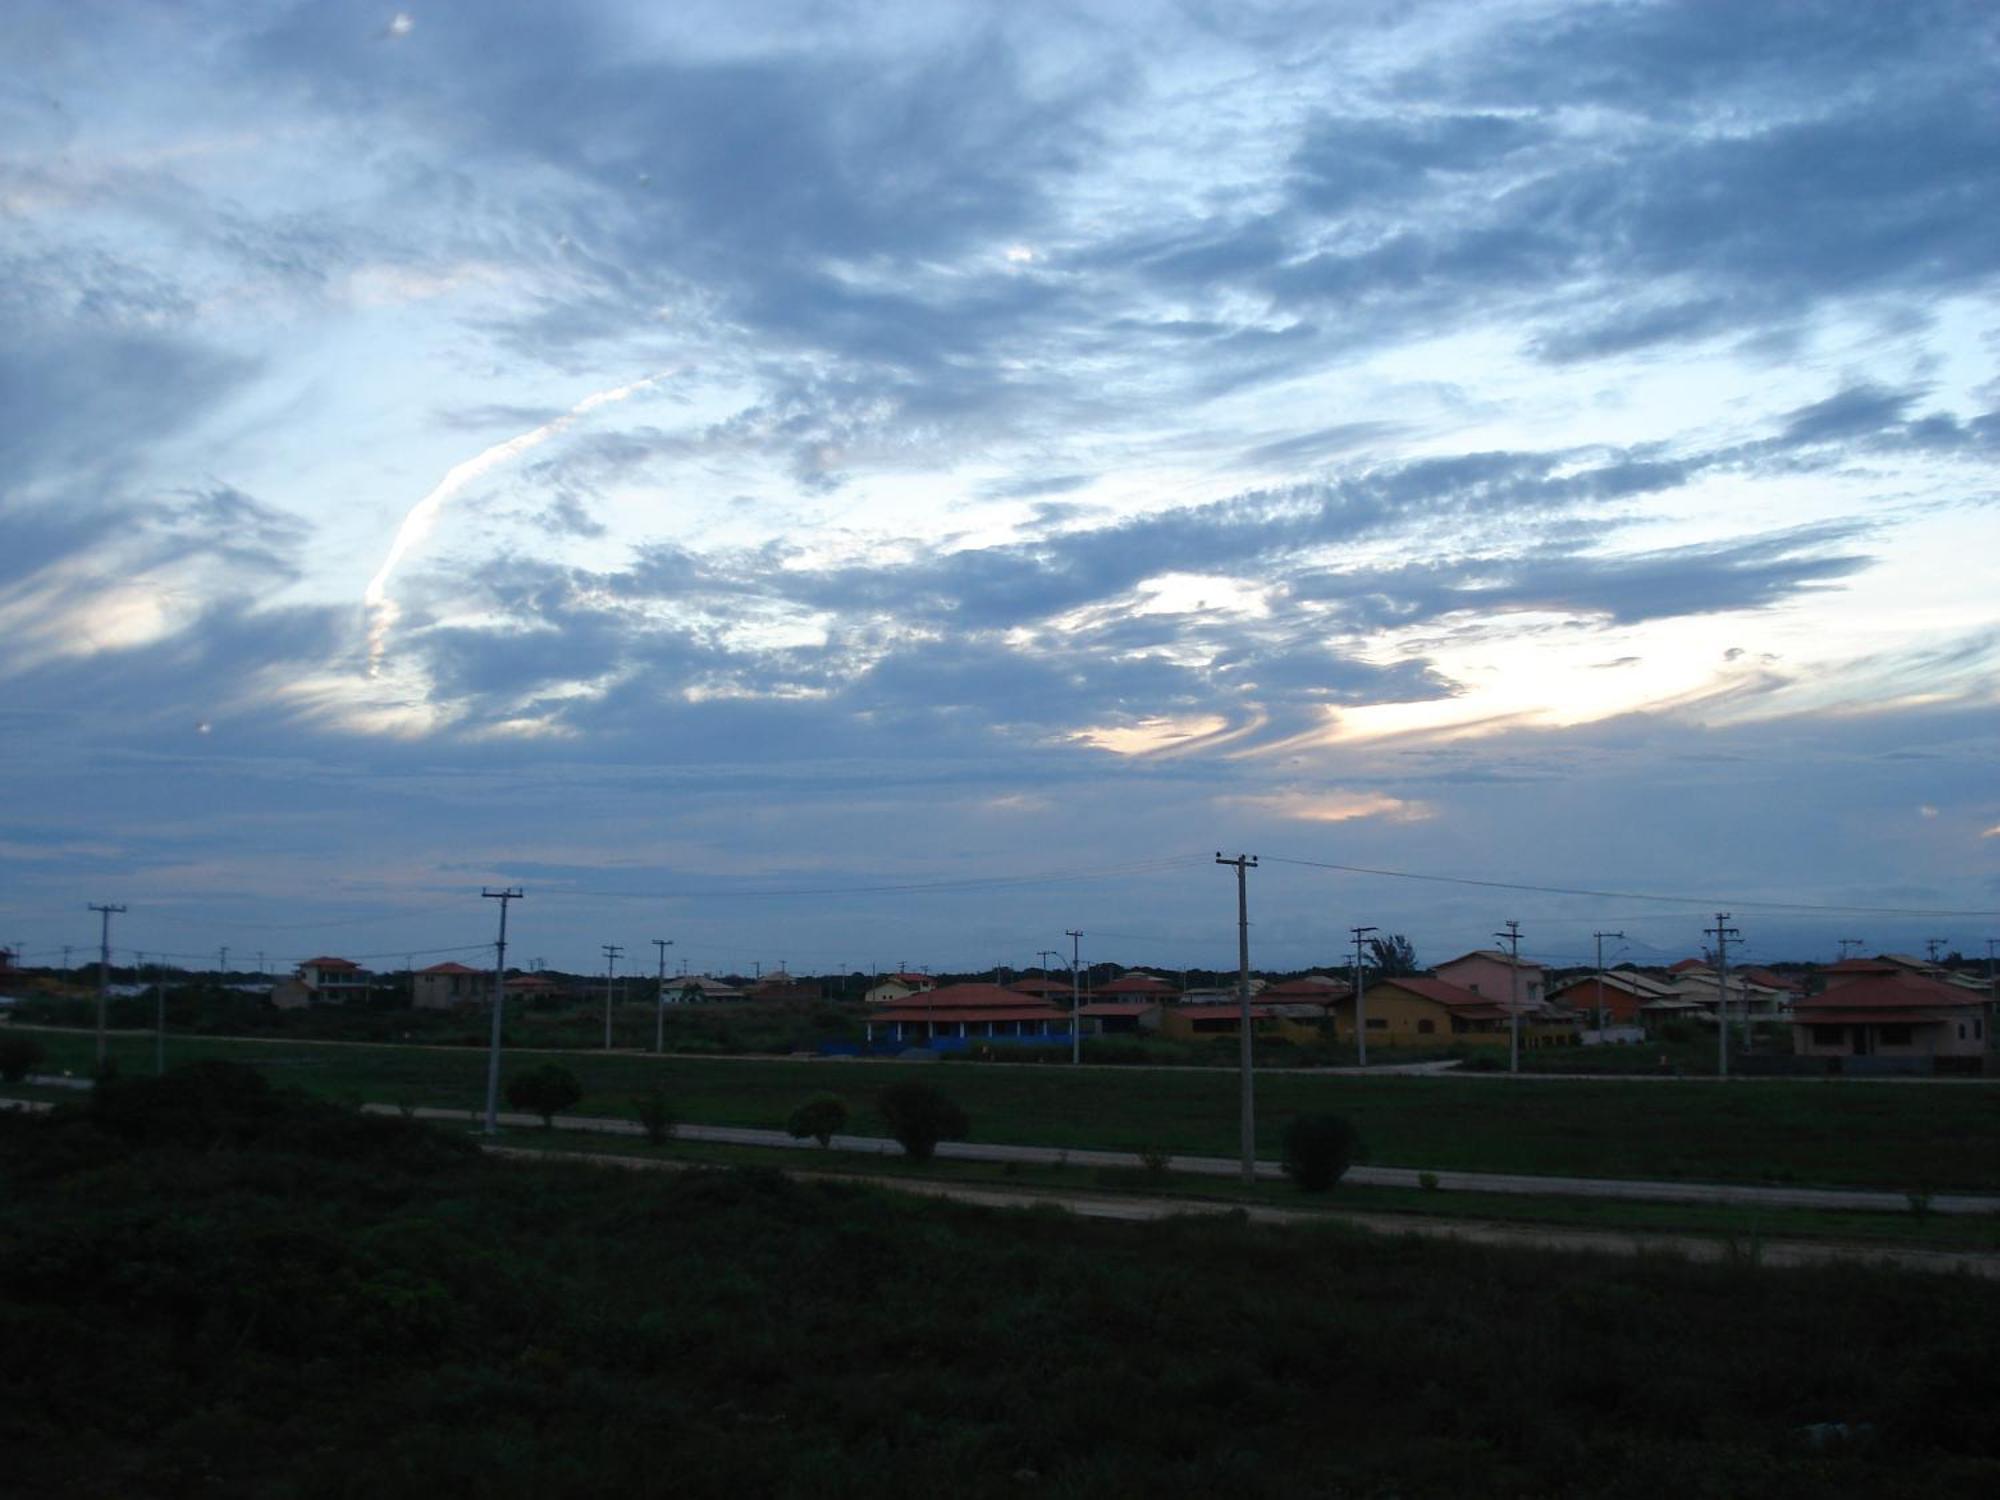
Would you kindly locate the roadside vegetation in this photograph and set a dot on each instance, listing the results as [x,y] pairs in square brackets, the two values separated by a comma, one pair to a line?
[225,1287]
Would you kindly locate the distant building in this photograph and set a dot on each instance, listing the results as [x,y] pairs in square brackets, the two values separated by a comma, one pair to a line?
[322,981]
[893,987]
[1876,1007]
[442,986]
[1492,976]
[698,989]
[1138,986]
[1626,993]
[967,1010]
[1410,1011]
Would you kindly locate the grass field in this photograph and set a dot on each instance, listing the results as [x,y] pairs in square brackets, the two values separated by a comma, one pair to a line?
[1935,1137]
[217,1293]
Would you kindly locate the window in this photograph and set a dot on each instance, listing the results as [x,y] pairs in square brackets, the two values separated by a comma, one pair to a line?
[1376,1023]
[1829,1036]
[1894,1036]
[1426,1027]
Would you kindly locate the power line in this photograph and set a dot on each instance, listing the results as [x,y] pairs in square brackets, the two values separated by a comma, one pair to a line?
[1560,890]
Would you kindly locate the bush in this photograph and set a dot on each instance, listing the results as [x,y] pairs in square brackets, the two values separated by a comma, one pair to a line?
[1428,1181]
[1156,1160]
[918,1117]
[1318,1151]
[657,1116]
[546,1091]
[821,1119]
[19,1056]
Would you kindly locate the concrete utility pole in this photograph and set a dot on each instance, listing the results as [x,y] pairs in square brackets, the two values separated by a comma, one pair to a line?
[1075,996]
[103,975]
[1512,938]
[1601,936]
[1722,932]
[510,893]
[1360,993]
[660,997]
[1846,943]
[612,953]
[222,963]
[1931,946]
[159,1019]
[1244,864]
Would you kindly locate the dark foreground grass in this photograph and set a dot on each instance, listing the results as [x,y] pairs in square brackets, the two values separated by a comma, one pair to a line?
[1933,1137]
[305,1305]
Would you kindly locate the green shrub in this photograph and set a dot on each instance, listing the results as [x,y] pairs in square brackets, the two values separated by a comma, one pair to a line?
[657,1116]
[822,1119]
[19,1056]
[1318,1151]
[546,1091]
[1428,1181]
[918,1117]
[1156,1160]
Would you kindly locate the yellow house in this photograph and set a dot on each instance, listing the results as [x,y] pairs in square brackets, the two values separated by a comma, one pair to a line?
[1423,1013]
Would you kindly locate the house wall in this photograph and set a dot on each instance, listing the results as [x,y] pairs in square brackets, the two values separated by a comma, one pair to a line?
[1397,1019]
[1488,979]
[442,991]
[1927,1039]
[1621,1006]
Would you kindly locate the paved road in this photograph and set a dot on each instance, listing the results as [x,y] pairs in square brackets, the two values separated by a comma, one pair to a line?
[1469,1231]
[1862,1199]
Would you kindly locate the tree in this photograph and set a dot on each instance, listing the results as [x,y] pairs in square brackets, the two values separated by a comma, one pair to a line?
[918,1117]
[821,1119]
[657,1116]
[1391,957]
[1318,1151]
[19,1056]
[546,1091]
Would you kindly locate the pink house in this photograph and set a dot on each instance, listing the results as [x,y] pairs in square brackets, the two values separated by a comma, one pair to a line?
[1491,976]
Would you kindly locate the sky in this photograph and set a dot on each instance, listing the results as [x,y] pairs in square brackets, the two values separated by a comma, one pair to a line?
[856,486]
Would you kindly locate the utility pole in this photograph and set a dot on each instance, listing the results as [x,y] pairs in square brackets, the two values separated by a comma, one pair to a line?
[222,963]
[1722,932]
[1045,954]
[1512,938]
[1846,943]
[503,896]
[1360,996]
[66,948]
[103,975]
[1075,996]
[1931,946]
[1244,864]
[159,1013]
[1601,936]
[611,955]
[660,997]
[260,960]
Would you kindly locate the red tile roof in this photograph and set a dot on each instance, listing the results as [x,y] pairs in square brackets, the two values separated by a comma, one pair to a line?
[911,1011]
[1136,984]
[1117,1008]
[1864,966]
[448,968]
[330,963]
[1899,994]
[1309,986]
[957,996]
[1460,1002]
[1040,986]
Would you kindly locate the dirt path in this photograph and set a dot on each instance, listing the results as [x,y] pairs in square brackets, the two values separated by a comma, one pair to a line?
[1630,1243]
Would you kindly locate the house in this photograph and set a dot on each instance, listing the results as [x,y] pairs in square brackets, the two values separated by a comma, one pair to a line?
[1114,1017]
[1058,990]
[1625,995]
[1198,1022]
[1701,985]
[1322,988]
[1137,986]
[1423,1012]
[531,987]
[1496,977]
[778,985]
[893,987]
[322,981]
[699,989]
[442,986]
[965,1011]
[1878,1008]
